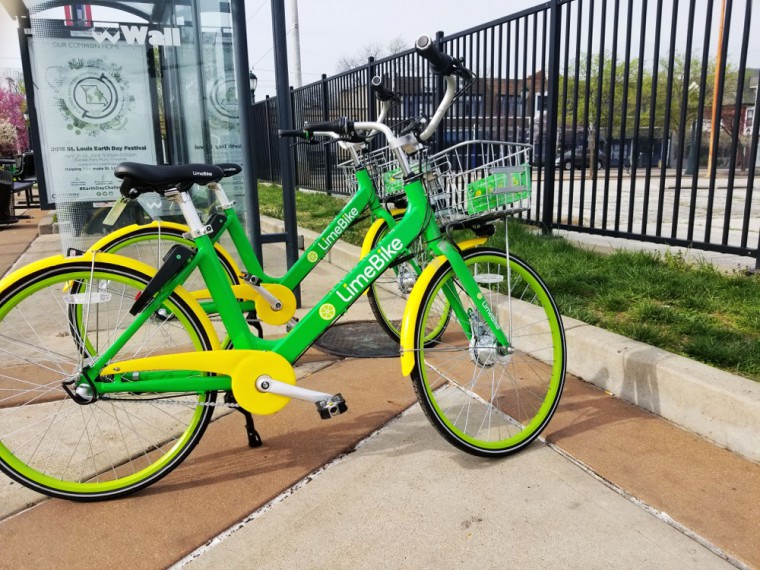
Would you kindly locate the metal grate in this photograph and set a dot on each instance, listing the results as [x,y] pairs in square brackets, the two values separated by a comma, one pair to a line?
[358,339]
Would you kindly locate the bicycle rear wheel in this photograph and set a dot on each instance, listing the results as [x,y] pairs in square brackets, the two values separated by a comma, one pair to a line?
[51,322]
[483,398]
[149,243]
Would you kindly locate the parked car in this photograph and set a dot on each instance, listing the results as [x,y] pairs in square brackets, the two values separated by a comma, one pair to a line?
[579,159]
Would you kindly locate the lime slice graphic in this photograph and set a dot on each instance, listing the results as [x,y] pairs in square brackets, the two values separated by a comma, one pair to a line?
[327,311]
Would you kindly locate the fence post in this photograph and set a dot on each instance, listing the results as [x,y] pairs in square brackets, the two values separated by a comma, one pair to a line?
[327,147]
[440,133]
[371,102]
[555,38]
[269,138]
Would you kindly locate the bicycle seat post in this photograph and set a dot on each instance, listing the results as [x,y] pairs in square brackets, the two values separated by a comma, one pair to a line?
[189,212]
[223,202]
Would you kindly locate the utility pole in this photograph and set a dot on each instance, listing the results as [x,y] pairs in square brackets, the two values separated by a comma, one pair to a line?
[285,122]
[294,44]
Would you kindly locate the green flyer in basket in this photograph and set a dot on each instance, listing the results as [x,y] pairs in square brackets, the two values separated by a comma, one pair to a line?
[505,185]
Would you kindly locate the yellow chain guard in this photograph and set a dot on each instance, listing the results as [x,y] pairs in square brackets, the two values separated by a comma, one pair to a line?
[286,297]
[249,370]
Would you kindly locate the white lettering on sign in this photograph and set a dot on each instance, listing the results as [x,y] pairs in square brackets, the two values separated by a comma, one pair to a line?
[137,35]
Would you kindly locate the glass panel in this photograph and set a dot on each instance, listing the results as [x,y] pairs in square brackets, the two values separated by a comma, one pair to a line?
[140,82]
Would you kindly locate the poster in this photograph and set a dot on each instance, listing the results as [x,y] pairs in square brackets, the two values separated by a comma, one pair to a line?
[93,99]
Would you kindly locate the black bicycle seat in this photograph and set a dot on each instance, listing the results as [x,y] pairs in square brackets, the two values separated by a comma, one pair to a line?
[162,176]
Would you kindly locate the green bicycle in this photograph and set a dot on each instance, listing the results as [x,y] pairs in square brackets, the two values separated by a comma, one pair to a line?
[103,394]
[264,297]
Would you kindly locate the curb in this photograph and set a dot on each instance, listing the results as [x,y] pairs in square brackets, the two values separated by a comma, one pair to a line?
[717,405]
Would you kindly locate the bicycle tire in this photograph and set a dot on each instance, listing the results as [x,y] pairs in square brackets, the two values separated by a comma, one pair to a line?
[482,401]
[111,447]
[135,242]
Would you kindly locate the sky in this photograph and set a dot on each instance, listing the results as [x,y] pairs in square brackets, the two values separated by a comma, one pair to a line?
[331,29]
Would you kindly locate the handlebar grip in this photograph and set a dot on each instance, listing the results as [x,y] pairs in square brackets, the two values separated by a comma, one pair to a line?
[294,133]
[340,126]
[440,62]
[381,91]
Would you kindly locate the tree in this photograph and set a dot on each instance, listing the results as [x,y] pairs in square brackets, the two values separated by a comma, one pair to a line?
[8,142]
[613,88]
[12,109]
[374,49]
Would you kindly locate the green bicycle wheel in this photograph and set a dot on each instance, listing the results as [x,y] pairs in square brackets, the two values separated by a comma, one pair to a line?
[116,444]
[149,243]
[485,399]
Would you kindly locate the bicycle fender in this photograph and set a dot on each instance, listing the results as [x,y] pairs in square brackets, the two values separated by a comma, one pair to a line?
[118,260]
[411,311]
[376,226]
[372,232]
[470,243]
[124,232]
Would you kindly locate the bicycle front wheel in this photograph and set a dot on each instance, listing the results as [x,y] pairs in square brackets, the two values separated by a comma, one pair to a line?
[487,399]
[52,321]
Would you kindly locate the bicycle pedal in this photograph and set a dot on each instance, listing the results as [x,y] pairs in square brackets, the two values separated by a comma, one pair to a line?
[332,407]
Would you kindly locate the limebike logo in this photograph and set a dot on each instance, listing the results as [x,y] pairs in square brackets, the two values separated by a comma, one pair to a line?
[343,222]
[376,263]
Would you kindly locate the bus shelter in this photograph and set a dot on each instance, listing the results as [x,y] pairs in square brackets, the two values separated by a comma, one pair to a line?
[155,82]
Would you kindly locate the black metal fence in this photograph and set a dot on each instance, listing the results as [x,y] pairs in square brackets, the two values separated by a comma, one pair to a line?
[642,115]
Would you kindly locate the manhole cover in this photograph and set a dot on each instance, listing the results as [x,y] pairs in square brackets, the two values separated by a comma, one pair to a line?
[359,339]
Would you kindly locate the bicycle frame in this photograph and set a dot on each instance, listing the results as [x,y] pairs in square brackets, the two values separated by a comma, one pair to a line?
[240,367]
[163,375]
[364,199]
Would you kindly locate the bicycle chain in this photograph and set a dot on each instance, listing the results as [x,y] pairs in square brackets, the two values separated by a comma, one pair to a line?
[176,402]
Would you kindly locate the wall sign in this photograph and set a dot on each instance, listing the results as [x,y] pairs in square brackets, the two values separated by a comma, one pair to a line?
[93,98]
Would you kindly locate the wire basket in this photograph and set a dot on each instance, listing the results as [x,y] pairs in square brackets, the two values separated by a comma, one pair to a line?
[479,181]
[385,172]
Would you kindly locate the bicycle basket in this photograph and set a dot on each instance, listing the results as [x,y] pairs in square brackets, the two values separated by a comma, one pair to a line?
[386,172]
[478,181]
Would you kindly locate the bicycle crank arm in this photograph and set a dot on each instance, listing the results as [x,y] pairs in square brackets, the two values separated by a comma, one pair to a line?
[328,405]
[274,303]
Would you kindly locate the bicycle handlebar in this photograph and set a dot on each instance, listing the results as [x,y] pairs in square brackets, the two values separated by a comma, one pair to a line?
[342,126]
[294,133]
[440,62]
[382,92]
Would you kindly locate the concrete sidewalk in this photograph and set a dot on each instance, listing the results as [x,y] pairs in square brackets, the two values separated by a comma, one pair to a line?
[614,486]
[406,499]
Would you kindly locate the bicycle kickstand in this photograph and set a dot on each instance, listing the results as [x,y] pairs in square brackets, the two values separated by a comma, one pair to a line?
[254,439]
